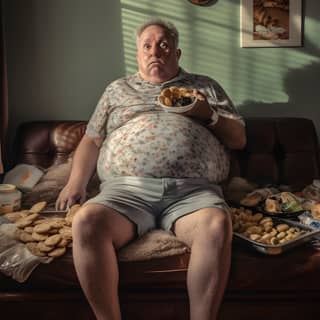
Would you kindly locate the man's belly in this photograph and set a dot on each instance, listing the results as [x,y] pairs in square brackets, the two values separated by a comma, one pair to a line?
[163,145]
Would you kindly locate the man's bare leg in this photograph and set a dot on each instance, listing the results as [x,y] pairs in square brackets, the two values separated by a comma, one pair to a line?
[209,233]
[98,232]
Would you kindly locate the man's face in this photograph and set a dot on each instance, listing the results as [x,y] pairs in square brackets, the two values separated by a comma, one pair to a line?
[157,55]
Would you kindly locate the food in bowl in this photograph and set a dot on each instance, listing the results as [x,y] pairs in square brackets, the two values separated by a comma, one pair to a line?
[177,97]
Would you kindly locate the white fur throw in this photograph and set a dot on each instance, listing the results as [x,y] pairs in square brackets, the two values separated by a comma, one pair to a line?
[155,244]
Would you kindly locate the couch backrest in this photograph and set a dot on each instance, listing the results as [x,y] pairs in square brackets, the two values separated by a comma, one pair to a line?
[278,151]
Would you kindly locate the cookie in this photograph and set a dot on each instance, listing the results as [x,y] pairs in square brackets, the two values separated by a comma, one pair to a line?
[25,237]
[25,221]
[251,199]
[39,236]
[44,248]
[33,248]
[66,233]
[53,240]
[28,229]
[63,243]
[57,223]
[57,252]
[36,208]
[315,211]
[54,231]
[14,216]
[39,221]
[17,233]
[71,213]
[44,227]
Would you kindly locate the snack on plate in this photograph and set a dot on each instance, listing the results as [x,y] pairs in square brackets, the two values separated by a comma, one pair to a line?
[43,235]
[272,205]
[312,191]
[262,229]
[177,97]
[284,202]
[253,198]
[315,211]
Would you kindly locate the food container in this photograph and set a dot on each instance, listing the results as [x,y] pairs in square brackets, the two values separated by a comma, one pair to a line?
[309,234]
[178,109]
[10,198]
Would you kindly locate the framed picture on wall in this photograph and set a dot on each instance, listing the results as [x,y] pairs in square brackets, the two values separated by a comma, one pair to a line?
[270,23]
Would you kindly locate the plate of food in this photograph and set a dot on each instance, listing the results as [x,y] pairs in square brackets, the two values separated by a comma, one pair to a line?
[178,100]
[283,204]
[270,235]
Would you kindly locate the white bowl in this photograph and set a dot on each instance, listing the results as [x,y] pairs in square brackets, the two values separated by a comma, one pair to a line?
[178,109]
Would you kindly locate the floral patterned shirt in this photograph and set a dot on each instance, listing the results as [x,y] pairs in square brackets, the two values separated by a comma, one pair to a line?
[140,139]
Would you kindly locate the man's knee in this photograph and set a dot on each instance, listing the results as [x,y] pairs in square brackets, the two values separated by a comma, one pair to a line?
[207,225]
[96,223]
[214,224]
[89,222]
[218,220]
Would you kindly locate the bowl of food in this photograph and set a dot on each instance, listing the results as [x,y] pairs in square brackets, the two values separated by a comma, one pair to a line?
[178,100]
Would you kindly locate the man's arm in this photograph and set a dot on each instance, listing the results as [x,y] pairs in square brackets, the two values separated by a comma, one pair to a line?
[83,166]
[230,132]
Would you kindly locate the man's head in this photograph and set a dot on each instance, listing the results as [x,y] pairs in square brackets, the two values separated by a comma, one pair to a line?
[157,51]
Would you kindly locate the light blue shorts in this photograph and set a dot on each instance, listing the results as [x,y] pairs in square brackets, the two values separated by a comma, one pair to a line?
[153,203]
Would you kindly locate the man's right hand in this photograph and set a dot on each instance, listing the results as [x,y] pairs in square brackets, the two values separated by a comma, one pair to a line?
[83,166]
[70,195]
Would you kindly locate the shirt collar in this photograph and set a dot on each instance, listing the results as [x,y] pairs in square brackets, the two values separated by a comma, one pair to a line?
[139,80]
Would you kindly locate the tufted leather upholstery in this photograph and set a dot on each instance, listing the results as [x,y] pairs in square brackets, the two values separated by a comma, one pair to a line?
[279,151]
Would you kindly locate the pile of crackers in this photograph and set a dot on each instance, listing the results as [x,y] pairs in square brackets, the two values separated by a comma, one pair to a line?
[44,236]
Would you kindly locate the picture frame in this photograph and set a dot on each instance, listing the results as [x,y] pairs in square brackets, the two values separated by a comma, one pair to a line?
[270,23]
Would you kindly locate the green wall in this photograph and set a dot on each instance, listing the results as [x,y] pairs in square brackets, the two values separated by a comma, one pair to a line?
[61,55]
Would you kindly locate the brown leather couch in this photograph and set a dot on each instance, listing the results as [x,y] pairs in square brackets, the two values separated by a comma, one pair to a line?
[286,286]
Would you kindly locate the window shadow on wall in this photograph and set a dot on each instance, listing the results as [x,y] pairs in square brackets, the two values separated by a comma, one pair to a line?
[303,97]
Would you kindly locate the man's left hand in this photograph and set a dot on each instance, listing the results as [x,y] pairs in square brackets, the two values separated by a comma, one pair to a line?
[201,110]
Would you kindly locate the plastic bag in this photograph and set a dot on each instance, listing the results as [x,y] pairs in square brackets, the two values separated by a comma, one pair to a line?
[16,261]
